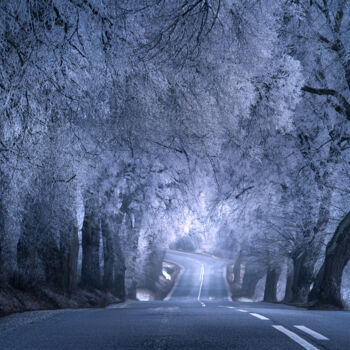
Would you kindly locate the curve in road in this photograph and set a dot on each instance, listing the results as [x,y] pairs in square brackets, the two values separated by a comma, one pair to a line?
[196,315]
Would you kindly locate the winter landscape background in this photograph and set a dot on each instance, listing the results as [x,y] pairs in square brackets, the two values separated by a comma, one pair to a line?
[216,126]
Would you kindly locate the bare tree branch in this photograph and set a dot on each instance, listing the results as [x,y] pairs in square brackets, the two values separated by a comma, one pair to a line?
[330,92]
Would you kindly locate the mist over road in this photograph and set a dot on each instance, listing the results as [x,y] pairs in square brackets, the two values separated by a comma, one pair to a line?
[196,315]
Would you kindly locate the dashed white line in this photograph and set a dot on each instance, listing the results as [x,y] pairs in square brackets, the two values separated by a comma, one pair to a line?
[241,310]
[311,332]
[306,345]
[260,317]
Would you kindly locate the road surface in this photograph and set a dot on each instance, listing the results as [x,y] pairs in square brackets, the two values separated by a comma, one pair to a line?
[197,315]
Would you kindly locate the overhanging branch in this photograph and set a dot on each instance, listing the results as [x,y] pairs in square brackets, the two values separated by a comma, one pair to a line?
[244,191]
[330,92]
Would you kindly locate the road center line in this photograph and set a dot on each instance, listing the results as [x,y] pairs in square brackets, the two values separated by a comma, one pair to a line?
[241,310]
[311,332]
[306,345]
[201,284]
[260,317]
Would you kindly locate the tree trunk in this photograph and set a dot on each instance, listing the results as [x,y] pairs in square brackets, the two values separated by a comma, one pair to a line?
[11,227]
[31,269]
[288,296]
[119,281]
[236,283]
[114,262]
[69,256]
[251,277]
[327,287]
[133,227]
[108,256]
[3,272]
[118,288]
[152,268]
[305,258]
[272,277]
[302,277]
[90,272]
[237,269]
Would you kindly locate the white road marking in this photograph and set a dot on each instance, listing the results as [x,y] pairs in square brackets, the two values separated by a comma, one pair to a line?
[201,285]
[241,310]
[306,345]
[166,275]
[203,305]
[260,317]
[311,332]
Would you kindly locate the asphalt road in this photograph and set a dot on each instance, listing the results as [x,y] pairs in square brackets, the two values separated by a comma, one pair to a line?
[197,315]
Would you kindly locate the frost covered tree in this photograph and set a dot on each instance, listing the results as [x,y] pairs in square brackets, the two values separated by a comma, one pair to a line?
[128,126]
[321,27]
